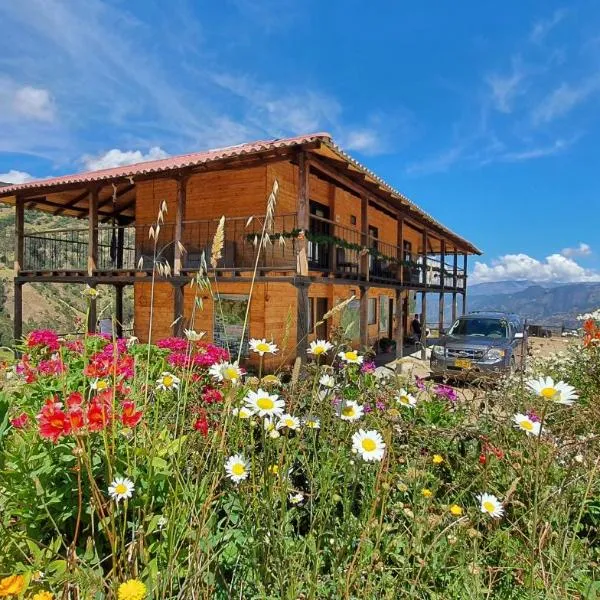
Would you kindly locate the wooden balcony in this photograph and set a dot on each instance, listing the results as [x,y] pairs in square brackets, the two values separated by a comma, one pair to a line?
[334,251]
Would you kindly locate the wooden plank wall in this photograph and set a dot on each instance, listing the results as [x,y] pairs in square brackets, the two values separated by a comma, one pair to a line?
[163,310]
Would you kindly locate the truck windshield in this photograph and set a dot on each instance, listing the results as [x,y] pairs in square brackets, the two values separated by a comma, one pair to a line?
[490,328]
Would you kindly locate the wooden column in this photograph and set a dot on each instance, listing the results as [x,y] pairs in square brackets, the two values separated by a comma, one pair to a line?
[19,234]
[303,213]
[179,219]
[423,325]
[464,298]
[454,306]
[424,241]
[399,323]
[454,286]
[92,231]
[302,311]
[92,316]
[400,251]
[364,315]
[178,298]
[120,244]
[18,313]
[442,298]
[364,237]
[119,310]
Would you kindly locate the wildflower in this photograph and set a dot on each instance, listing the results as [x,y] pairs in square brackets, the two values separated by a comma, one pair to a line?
[131,341]
[264,404]
[369,444]
[406,399]
[121,488]
[560,392]
[270,380]
[242,413]
[174,344]
[312,423]
[12,585]
[211,395]
[288,421]
[201,425]
[237,468]
[274,469]
[327,381]
[132,589]
[130,417]
[43,595]
[456,510]
[226,371]
[319,347]
[420,383]
[350,411]
[296,498]
[100,385]
[74,400]
[53,420]
[20,422]
[168,381]
[43,338]
[445,391]
[437,459]
[98,415]
[426,493]
[528,425]
[262,347]
[351,357]
[90,292]
[368,367]
[270,428]
[194,336]
[490,505]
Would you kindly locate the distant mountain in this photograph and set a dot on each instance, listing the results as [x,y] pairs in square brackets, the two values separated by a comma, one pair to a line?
[507,287]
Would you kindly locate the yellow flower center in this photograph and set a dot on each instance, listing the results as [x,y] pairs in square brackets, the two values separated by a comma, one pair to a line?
[427,493]
[231,373]
[167,381]
[528,425]
[488,506]
[348,411]
[352,355]
[290,423]
[101,385]
[265,403]
[318,350]
[404,400]
[263,347]
[549,393]
[437,459]
[120,489]
[238,469]
[456,510]
[368,445]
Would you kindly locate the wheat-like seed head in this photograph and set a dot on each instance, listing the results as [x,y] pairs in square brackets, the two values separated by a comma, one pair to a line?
[337,308]
[296,371]
[218,243]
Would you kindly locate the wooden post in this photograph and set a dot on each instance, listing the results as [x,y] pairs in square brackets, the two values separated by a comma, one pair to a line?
[19,234]
[302,311]
[364,315]
[303,213]
[179,219]
[442,298]
[464,299]
[92,231]
[423,325]
[119,309]
[424,261]
[364,238]
[454,306]
[399,324]
[92,316]
[18,313]
[178,305]
[455,270]
[400,251]
[120,244]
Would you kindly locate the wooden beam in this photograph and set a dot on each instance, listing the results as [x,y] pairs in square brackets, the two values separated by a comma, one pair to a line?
[19,234]
[364,236]
[303,206]
[92,317]
[119,310]
[399,326]
[454,307]
[400,243]
[179,219]
[72,203]
[423,325]
[18,313]
[364,315]
[302,311]
[92,231]
[178,306]
[115,197]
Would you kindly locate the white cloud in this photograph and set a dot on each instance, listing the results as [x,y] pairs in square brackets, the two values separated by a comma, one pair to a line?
[521,266]
[120,158]
[536,151]
[505,88]
[367,141]
[582,249]
[564,99]
[34,103]
[14,176]
[544,26]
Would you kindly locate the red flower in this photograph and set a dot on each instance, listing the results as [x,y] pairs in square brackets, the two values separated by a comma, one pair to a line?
[53,420]
[98,415]
[74,400]
[43,337]
[130,417]
[20,422]
[211,395]
[76,419]
[201,425]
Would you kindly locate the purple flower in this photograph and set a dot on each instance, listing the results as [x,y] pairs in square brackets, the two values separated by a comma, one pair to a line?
[380,405]
[531,414]
[367,408]
[445,391]
[419,383]
[368,367]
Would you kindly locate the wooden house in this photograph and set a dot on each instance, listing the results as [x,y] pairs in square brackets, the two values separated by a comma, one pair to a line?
[337,230]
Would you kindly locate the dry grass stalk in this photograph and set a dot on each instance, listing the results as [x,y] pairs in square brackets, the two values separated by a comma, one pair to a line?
[336,309]
[218,243]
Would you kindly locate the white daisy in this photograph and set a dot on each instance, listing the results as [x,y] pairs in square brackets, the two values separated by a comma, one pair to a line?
[297,498]
[121,488]
[194,336]
[319,347]
[369,444]
[288,421]
[560,392]
[527,425]
[226,371]
[242,413]
[312,423]
[237,468]
[489,504]
[406,399]
[350,410]
[168,381]
[351,357]
[271,428]
[100,385]
[131,341]
[264,404]
[263,347]
[327,381]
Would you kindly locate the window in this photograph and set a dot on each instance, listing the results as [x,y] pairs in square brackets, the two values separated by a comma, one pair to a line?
[229,323]
[317,307]
[352,219]
[350,320]
[384,314]
[372,308]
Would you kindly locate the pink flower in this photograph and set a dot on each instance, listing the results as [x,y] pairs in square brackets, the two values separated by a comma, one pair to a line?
[43,338]
[368,367]
[211,395]
[174,344]
[20,422]
[445,391]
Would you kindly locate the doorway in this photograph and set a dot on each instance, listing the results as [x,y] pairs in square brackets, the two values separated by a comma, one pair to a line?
[319,228]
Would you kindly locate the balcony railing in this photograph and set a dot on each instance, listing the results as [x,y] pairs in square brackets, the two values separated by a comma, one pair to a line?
[332,249]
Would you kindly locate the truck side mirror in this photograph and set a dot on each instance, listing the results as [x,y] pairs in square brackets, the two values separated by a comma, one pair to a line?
[519,335]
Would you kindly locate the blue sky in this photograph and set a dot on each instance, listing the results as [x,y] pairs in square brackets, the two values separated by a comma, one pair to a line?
[485,114]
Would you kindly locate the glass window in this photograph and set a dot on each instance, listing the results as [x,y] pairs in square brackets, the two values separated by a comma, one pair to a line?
[372,306]
[475,327]
[350,320]
[229,315]
[384,313]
